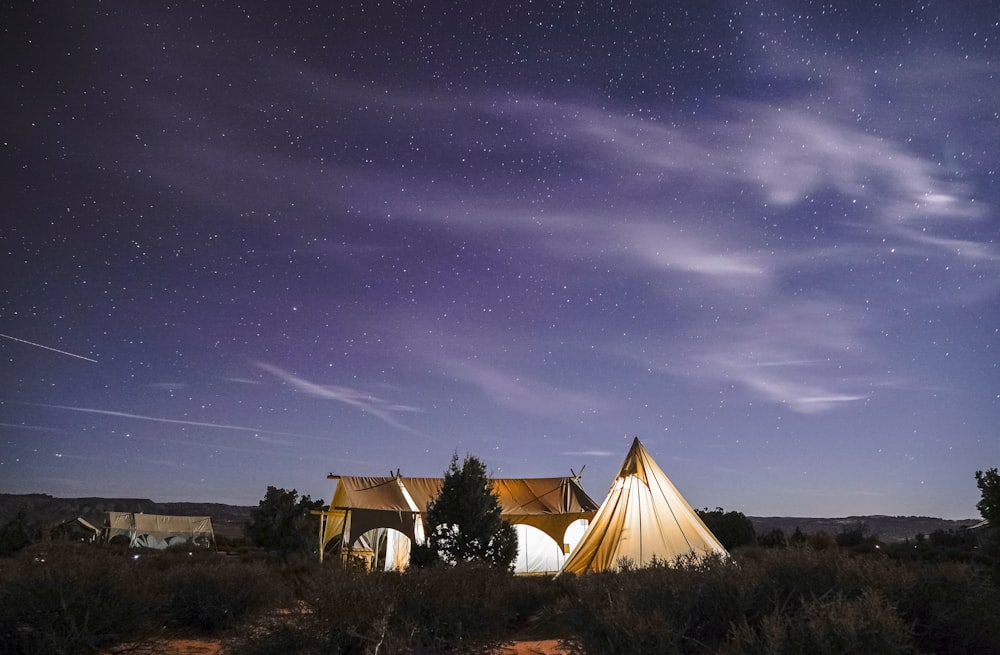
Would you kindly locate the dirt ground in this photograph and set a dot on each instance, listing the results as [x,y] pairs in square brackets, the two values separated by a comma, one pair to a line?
[213,647]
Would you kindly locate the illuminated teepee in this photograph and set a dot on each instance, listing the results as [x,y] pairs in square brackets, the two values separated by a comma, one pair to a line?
[643,518]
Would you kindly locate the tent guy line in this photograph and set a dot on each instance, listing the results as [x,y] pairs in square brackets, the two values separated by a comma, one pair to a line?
[55,350]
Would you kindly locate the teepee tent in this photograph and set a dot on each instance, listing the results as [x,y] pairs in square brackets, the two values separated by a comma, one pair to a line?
[643,517]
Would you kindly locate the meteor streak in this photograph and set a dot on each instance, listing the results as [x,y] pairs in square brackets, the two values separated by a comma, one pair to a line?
[55,350]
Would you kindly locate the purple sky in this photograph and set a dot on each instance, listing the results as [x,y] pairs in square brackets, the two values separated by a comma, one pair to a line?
[249,247]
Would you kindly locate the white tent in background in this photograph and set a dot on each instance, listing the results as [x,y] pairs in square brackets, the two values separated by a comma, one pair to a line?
[643,517]
[159,531]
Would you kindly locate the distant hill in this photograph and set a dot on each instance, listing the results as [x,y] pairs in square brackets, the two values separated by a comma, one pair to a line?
[886,528]
[228,520]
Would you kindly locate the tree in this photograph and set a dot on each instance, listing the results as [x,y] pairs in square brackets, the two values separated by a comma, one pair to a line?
[989,506]
[732,529]
[15,534]
[464,524]
[281,523]
[773,539]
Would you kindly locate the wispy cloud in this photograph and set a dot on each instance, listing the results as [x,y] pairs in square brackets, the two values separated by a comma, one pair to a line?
[35,428]
[524,393]
[172,421]
[370,404]
[590,453]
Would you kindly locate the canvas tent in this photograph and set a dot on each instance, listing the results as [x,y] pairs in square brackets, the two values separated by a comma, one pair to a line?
[159,531]
[362,504]
[643,517]
[78,529]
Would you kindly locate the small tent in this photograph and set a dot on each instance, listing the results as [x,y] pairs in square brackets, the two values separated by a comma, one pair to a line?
[364,505]
[643,517]
[78,529]
[159,531]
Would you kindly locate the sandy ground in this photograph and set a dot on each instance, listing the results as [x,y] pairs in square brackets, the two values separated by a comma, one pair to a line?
[213,647]
[545,647]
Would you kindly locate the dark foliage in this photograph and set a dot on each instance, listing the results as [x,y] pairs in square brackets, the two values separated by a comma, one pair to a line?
[464,522]
[67,601]
[796,600]
[463,609]
[773,539]
[732,529]
[988,482]
[76,598]
[211,597]
[857,538]
[15,534]
[989,506]
[282,523]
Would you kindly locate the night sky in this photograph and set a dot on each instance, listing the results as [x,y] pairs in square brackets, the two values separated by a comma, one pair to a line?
[252,244]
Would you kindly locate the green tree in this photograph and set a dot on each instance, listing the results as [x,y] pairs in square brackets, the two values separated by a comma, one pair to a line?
[989,506]
[464,524]
[732,529]
[282,524]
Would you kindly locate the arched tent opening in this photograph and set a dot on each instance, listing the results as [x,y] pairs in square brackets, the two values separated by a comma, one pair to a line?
[538,553]
[390,549]
[362,504]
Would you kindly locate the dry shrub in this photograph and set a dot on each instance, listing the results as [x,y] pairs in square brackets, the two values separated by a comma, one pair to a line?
[867,624]
[954,608]
[210,597]
[466,609]
[69,599]
[787,601]
[686,607]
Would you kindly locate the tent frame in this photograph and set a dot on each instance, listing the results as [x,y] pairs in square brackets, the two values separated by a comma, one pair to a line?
[360,504]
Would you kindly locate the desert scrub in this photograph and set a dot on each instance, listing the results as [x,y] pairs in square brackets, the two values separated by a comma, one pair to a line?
[787,601]
[210,596]
[461,609]
[465,609]
[684,607]
[954,608]
[826,626]
[69,599]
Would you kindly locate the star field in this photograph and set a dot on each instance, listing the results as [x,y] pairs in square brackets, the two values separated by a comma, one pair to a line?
[250,244]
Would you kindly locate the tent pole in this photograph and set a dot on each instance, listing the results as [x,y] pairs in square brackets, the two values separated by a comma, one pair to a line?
[322,530]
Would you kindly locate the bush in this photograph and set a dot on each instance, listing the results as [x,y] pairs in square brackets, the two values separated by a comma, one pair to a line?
[867,624]
[465,609]
[792,600]
[211,598]
[69,600]
[87,599]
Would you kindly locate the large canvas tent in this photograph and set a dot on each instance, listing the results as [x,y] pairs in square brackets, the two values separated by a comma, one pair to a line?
[643,517]
[159,531]
[541,508]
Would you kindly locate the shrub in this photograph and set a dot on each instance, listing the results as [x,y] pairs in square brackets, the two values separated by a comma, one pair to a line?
[68,600]
[685,607]
[732,529]
[209,598]
[867,624]
[465,609]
